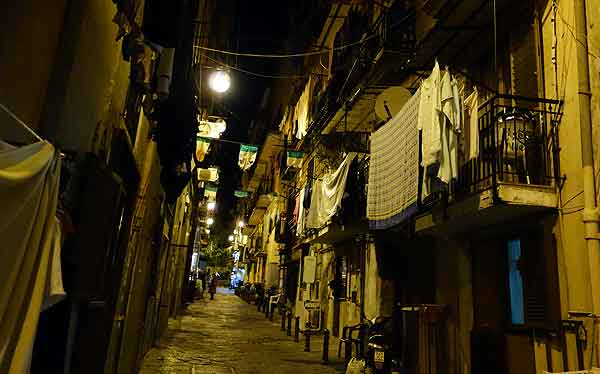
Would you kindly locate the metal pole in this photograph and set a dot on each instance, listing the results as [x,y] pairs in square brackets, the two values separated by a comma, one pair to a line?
[297,330]
[289,324]
[306,340]
[325,346]
[282,320]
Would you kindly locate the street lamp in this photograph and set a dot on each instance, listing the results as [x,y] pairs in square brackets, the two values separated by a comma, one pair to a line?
[241,224]
[210,221]
[211,205]
[219,81]
[230,238]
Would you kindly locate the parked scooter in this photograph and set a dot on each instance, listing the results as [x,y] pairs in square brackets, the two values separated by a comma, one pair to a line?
[381,357]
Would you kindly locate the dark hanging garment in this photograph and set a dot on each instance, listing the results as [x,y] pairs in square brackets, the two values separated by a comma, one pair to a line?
[161,22]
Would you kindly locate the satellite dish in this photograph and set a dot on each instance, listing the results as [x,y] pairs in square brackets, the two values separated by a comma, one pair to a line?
[390,101]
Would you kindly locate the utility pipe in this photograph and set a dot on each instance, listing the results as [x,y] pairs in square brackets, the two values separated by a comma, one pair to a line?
[591,215]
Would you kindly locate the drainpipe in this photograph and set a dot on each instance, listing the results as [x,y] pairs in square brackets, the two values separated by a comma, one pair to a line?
[591,214]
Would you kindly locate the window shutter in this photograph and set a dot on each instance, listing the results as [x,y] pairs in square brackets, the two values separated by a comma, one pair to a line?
[523,62]
[538,285]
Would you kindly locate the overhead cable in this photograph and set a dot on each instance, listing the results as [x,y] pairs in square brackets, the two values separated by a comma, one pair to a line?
[260,75]
[287,55]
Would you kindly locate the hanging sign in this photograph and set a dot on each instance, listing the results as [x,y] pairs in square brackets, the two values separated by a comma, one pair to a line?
[309,270]
[202,145]
[210,192]
[247,156]
[208,129]
[239,193]
[208,175]
[312,304]
[294,159]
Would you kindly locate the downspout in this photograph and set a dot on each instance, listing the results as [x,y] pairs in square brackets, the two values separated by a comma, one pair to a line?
[591,214]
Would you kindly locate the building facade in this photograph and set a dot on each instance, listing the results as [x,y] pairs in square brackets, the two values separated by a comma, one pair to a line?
[488,255]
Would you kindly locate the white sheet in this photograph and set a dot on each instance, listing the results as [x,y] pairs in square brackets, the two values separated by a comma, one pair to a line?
[29,179]
[327,195]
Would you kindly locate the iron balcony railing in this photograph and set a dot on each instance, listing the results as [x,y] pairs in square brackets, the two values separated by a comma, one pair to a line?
[518,143]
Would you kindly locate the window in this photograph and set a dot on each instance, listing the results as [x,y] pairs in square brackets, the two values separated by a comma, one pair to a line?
[515,282]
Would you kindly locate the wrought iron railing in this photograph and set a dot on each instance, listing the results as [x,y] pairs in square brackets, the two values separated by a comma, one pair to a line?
[518,144]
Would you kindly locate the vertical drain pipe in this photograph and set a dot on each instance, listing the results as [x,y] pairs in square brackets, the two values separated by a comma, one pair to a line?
[591,215]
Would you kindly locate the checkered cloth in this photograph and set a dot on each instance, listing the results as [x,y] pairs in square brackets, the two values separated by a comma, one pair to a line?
[394,168]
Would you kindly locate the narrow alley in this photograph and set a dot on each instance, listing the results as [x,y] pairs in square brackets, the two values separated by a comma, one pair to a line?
[413,184]
[227,335]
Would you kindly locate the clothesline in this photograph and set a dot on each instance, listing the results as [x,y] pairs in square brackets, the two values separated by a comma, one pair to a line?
[20,122]
[233,141]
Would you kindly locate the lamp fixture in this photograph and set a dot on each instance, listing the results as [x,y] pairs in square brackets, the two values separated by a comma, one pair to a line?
[219,81]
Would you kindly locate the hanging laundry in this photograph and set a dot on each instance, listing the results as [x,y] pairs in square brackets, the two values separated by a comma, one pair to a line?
[296,209]
[429,119]
[394,168]
[301,211]
[294,159]
[429,123]
[450,128]
[472,125]
[327,195]
[247,156]
[54,286]
[208,175]
[202,145]
[238,193]
[212,129]
[301,111]
[29,183]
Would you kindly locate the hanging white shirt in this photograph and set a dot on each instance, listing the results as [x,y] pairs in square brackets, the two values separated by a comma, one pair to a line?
[471,111]
[429,119]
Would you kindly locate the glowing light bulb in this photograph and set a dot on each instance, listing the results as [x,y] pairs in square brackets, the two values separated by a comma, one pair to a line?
[220,81]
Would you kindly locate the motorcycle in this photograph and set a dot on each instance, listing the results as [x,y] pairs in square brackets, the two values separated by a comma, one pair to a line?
[381,353]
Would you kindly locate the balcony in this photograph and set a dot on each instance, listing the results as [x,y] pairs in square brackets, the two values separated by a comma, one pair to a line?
[515,173]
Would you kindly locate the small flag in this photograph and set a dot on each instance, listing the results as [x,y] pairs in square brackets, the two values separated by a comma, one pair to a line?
[202,145]
[294,159]
[208,175]
[210,129]
[239,193]
[247,156]
[210,192]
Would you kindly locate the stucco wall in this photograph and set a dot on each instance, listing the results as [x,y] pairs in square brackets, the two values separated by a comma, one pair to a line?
[573,264]
[29,40]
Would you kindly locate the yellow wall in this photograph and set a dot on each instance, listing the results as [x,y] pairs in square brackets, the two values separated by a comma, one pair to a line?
[29,41]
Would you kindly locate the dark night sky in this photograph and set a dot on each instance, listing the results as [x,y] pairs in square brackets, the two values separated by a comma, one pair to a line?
[257,26]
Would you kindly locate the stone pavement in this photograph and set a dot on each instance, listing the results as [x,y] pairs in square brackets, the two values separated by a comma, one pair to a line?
[228,335]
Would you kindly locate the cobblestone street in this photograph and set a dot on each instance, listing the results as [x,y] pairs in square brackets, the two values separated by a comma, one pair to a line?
[228,335]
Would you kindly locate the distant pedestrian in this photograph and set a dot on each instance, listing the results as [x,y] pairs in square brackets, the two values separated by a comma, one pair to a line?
[212,286]
[203,284]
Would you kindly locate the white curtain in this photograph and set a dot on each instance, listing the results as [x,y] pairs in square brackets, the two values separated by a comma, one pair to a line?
[29,179]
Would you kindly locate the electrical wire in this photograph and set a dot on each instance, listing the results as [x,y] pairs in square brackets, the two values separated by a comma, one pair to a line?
[260,75]
[571,30]
[288,55]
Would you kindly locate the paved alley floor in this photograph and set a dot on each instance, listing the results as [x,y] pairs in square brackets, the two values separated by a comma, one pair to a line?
[228,335]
